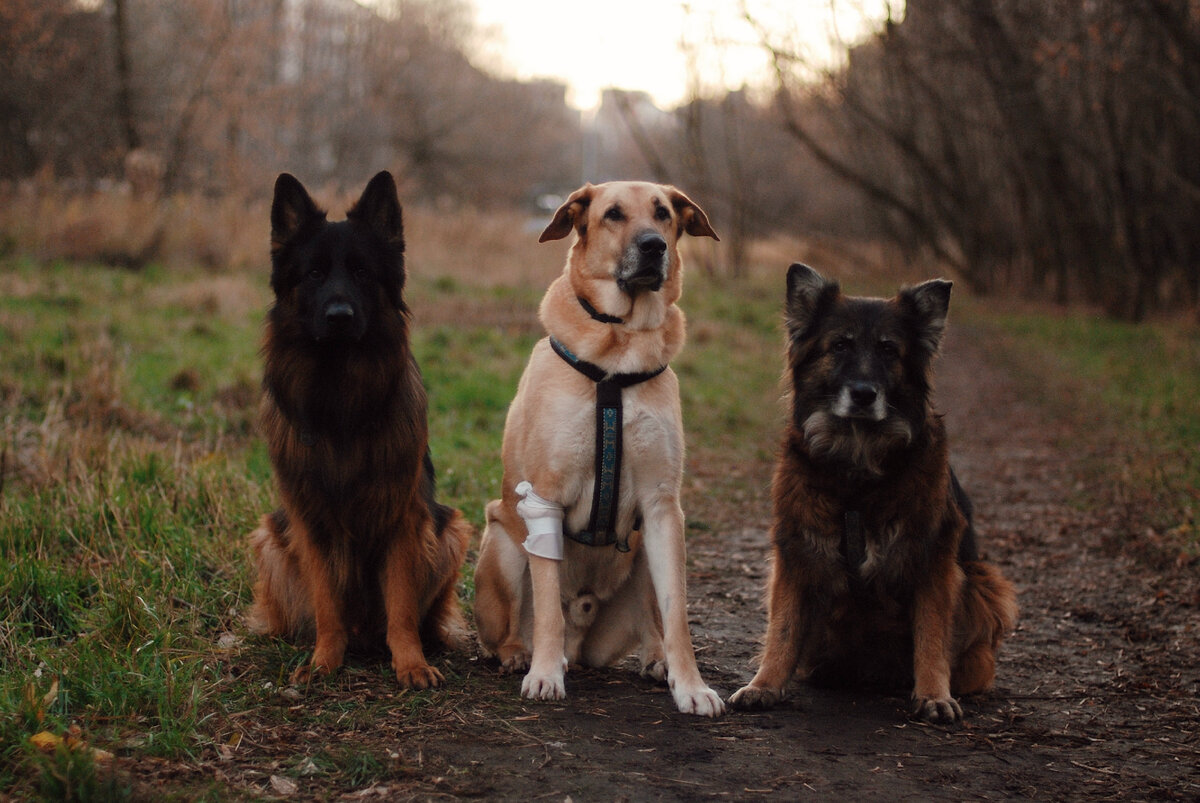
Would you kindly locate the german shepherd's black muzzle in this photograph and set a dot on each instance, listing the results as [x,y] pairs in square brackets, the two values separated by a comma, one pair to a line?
[339,311]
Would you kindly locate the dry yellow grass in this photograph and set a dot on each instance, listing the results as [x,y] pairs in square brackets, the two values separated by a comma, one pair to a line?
[482,249]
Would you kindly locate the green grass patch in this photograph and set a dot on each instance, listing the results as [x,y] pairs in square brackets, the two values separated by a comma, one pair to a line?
[1138,384]
[133,472]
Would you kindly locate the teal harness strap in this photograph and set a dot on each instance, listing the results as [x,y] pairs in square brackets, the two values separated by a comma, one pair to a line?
[606,494]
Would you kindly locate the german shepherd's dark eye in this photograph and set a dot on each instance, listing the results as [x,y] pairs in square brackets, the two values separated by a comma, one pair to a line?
[841,345]
[614,214]
[889,349]
[662,213]
[315,274]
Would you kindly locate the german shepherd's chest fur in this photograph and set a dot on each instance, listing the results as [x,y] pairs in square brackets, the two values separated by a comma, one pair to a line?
[866,535]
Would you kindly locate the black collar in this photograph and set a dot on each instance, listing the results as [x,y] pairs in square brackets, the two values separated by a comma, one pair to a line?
[596,373]
[595,314]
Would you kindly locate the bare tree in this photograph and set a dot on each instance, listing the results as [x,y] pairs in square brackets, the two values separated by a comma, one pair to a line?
[1026,144]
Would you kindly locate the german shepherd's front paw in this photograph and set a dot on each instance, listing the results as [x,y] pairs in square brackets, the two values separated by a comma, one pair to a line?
[418,676]
[303,675]
[544,685]
[943,711]
[756,697]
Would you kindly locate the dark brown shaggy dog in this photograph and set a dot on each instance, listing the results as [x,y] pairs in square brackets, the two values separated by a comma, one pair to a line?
[359,550]
[875,576]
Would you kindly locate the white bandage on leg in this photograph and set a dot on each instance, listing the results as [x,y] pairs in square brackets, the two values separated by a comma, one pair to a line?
[543,523]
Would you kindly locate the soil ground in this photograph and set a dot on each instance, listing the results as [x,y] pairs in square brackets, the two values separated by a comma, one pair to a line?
[1096,694]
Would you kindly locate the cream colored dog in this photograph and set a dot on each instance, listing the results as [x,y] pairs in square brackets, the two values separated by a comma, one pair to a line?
[543,602]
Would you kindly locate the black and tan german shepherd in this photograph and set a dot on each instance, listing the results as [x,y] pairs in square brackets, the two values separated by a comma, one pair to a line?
[359,553]
[876,578]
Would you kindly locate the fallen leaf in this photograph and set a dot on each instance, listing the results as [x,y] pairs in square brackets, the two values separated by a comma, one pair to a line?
[48,742]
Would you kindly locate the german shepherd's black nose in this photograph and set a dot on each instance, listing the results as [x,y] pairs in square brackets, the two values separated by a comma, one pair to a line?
[339,312]
[862,394]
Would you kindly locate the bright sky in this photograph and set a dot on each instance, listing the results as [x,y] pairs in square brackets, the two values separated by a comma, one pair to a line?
[644,44]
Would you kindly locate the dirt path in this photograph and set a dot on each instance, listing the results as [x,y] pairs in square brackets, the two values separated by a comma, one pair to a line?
[1096,695]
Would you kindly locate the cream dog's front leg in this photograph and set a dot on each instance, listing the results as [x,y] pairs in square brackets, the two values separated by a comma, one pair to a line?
[543,522]
[665,554]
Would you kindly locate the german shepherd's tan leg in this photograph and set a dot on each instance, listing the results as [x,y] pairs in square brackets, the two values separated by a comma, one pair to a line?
[781,652]
[545,678]
[933,621]
[331,643]
[404,585]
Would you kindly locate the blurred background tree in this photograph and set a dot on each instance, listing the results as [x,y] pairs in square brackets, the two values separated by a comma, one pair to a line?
[1049,149]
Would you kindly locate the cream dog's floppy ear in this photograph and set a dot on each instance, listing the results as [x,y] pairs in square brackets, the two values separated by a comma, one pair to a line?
[692,218]
[571,214]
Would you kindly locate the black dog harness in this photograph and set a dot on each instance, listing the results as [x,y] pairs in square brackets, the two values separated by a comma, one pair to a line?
[602,524]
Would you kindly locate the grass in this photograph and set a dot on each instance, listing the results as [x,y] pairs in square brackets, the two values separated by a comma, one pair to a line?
[1138,385]
[132,473]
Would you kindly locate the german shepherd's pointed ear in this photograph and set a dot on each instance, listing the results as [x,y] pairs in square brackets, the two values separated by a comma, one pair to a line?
[572,214]
[379,208]
[809,295]
[291,210]
[692,218]
[927,305]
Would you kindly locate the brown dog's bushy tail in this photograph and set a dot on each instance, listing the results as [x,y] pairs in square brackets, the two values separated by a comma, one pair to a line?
[445,625]
[989,613]
[281,602]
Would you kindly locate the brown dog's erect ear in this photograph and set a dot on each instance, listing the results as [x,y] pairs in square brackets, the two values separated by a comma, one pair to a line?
[691,217]
[929,304]
[291,209]
[569,215]
[809,294]
[379,208]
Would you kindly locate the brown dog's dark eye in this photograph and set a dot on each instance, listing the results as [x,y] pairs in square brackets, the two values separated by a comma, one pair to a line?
[889,349]
[841,345]
[614,214]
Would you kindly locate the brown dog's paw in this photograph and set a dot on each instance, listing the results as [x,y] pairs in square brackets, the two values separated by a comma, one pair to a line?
[310,672]
[516,662]
[944,711]
[421,676]
[756,697]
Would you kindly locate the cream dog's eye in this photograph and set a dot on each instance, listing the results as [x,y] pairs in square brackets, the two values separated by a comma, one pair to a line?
[614,214]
